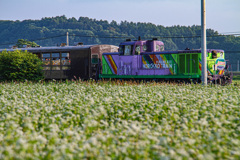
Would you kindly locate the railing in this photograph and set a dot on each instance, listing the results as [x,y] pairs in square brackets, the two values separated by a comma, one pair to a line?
[234,59]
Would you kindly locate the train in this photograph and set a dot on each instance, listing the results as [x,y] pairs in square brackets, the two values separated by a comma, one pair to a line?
[147,60]
[131,60]
[70,62]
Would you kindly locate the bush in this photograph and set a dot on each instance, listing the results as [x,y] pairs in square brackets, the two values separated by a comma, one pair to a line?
[20,66]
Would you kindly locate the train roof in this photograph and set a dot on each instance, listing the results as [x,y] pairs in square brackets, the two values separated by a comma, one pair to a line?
[172,52]
[55,49]
[134,42]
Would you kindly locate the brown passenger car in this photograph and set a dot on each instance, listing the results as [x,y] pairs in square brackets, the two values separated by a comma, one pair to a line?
[71,62]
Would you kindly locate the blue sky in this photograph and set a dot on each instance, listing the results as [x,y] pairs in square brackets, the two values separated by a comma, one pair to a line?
[222,15]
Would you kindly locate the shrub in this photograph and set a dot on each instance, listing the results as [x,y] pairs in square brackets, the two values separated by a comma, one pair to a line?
[20,66]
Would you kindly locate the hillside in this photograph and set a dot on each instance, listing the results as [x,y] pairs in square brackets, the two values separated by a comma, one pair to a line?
[92,31]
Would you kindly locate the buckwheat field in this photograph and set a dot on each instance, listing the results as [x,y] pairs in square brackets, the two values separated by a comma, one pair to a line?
[88,120]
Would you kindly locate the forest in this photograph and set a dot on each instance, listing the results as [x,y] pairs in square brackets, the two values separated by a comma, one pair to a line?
[52,31]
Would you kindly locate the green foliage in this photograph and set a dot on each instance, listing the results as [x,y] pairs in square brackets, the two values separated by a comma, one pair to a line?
[20,66]
[22,42]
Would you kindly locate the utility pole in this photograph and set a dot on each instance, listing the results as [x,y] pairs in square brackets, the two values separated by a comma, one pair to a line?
[67,40]
[204,42]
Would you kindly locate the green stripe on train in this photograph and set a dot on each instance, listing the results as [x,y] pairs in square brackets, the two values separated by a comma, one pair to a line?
[149,76]
[105,67]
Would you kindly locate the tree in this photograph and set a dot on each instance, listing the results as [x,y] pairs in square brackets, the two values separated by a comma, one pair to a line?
[20,66]
[58,26]
[22,42]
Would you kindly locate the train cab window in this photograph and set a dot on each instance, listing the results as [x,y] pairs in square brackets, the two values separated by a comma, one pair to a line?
[221,55]
[120,50]
[159,48]
[137,50]
[214,54]
[128,50]
[95,59]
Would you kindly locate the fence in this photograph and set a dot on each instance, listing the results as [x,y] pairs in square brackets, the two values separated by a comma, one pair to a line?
[234,59]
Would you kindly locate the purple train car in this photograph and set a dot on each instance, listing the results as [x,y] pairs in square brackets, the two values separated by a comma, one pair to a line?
[146,59]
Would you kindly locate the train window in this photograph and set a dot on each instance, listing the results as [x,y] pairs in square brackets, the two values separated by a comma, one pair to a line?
[46,61]
[214,54]
[65,55]
[56,55]
[55,59]
[161,48]
[120,50]
[46,64]
[221,55]
[65,61]
[95,59]
[158,47]
[127,50]
[137,50]
[46,55]
[144,48]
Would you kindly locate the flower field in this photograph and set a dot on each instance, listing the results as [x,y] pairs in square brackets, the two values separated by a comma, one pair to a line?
[86,120]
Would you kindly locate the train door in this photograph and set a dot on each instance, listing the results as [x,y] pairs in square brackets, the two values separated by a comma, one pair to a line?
[136,58]
[94,65]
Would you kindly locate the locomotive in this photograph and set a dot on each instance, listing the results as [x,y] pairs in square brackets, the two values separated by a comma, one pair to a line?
[147,59]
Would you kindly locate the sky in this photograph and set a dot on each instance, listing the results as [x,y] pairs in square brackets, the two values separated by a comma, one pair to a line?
[222,15]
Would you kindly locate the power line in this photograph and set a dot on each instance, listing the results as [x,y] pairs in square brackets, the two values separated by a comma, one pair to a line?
[199,36]
[230,32]
[193,36]
[232,51]
[121,37]
[44,38]
[47,38]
